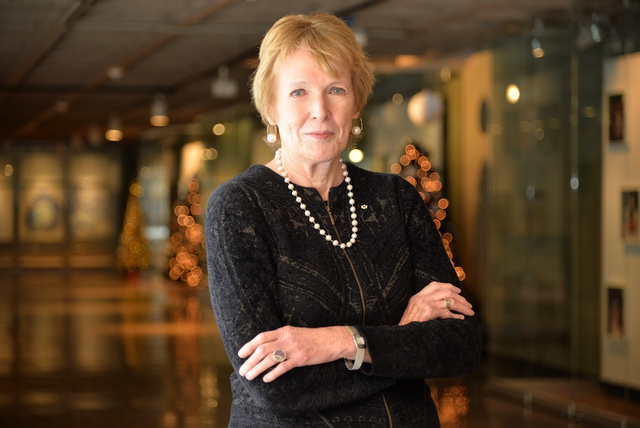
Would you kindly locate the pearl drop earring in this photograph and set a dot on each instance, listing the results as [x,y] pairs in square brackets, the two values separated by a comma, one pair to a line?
[271,136]
[357,130]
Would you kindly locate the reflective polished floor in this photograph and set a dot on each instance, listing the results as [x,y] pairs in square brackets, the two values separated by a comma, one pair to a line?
[91,349]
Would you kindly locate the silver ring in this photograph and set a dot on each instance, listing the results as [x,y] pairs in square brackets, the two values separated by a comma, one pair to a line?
[447,303]
[279,355]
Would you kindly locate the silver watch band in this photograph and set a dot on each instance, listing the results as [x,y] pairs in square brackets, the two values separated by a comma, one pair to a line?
[361,345]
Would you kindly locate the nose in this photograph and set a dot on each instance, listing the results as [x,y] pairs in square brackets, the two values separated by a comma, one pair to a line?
[320,107]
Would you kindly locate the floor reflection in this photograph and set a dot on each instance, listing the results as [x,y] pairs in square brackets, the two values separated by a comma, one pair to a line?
[90,349]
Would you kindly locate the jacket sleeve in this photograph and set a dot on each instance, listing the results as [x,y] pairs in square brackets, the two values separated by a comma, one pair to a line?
[433,349]
[241,256]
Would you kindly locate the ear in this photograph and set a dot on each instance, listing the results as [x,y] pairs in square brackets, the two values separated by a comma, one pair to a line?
[355,115]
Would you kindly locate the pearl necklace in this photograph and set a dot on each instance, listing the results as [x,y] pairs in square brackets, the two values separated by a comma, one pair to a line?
[312,220]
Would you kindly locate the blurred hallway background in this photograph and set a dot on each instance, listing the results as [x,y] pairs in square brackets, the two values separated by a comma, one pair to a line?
[516,120]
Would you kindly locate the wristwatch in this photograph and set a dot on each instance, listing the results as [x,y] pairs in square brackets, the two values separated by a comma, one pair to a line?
[361,345]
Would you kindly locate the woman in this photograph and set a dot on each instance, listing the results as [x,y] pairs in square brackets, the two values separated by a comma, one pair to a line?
[330,284]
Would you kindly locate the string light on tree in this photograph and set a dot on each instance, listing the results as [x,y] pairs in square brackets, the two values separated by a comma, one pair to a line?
[416,168]
[187,240]
[132,255]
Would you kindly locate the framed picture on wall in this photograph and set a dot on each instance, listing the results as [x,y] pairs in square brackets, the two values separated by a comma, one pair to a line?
[615,315]
[616,118]
[41,219]
[92,213]
[630,216]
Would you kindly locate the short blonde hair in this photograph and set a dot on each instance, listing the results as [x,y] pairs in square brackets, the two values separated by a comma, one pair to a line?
[328,38]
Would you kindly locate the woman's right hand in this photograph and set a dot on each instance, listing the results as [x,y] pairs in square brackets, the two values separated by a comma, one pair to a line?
[430,304]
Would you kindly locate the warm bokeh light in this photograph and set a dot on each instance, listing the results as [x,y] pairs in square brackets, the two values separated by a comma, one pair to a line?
[113,135]
[452,403]
[407,61]
[218,129]
[159,120]
[132,252]
[536,48]
[188,241]
[513,94]
[429,186]
[209,154]
[136,190]
[356,155]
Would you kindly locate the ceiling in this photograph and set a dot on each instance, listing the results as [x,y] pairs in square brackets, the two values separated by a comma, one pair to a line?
[67,65]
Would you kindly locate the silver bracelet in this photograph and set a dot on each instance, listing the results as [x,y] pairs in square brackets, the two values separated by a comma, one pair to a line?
[360,347]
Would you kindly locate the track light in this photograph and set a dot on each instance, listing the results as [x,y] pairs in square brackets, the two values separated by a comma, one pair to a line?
[223,87]
[536,48]
[594,28]
[589,32]
[159,111]
[114,128]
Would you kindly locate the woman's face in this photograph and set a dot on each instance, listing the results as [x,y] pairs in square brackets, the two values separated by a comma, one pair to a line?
[313,110]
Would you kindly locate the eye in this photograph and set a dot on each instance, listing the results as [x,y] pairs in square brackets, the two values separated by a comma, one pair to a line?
[337,91]
[297,93]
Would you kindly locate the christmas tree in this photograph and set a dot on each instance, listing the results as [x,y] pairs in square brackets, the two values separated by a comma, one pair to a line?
[416,168]
[187,240]
[132,255]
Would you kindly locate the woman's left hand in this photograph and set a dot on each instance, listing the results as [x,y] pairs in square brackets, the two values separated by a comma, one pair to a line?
[431,303]
[303,347]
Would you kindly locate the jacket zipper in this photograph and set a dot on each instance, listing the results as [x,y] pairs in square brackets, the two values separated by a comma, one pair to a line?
[386,406]
[353,269]
[364,307]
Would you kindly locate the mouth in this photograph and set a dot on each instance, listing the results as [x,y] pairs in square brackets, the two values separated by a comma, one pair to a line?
[320,134]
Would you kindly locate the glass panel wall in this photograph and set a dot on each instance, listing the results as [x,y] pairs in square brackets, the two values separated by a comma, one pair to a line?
[532,206]
[556,181]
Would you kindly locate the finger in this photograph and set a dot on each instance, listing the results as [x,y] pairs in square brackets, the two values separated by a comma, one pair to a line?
[261,360]
[262,366]
[260,354]
[459,304]
[262,338]
[439,291]
[278,371]
[454,315]
[440,286]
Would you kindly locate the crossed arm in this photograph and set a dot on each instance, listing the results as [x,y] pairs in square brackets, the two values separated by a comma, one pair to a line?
[310,346]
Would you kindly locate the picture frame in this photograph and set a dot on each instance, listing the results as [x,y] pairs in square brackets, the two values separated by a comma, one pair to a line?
[615,312]
[41,214]
[616,118]
[91,214]
[630,218]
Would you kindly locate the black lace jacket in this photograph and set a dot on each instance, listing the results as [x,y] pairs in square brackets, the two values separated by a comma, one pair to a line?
[269,267]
